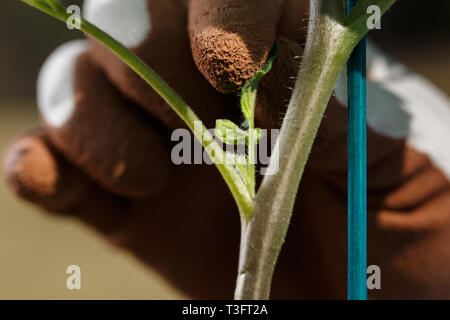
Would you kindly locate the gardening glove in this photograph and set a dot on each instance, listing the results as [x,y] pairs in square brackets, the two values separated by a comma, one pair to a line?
[103,152]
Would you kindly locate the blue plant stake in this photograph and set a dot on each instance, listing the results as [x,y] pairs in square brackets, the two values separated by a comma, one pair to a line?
[357,172]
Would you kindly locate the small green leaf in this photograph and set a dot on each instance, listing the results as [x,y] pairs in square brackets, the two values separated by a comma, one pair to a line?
[230,133]
[248,93]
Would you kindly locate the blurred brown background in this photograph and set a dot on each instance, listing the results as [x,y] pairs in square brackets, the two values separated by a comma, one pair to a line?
[35,249]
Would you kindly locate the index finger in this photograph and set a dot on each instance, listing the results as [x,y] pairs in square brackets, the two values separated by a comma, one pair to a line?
[232,39]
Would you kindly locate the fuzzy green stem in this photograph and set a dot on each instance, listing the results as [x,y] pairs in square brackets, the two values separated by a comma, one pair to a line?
[328,47]
[237,187]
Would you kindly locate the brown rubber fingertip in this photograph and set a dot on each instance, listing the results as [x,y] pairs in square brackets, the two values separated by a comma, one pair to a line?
[232,39]
[111,139]
[36,173]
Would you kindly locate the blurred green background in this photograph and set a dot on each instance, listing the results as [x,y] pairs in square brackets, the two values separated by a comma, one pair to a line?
[36,249]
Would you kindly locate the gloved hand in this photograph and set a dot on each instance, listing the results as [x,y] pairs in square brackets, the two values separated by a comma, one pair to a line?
[103,152]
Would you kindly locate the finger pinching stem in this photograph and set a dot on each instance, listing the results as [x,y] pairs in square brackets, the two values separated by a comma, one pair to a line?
[357,172]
